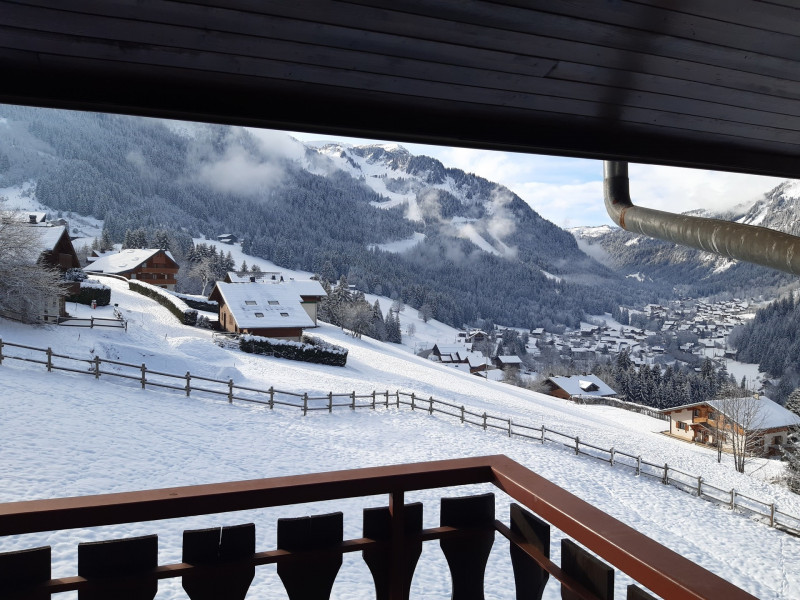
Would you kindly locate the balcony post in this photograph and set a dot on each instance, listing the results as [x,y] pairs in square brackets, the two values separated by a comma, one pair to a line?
[397,574]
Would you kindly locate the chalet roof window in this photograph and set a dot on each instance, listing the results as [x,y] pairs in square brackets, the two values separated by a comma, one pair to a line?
[284,314]
[259,314]
[273,302]
[250,302]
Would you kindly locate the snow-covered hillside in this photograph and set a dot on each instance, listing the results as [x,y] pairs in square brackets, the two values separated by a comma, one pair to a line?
[69,434]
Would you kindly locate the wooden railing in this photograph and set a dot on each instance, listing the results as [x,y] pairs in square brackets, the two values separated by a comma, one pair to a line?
[221,562]
[190,383]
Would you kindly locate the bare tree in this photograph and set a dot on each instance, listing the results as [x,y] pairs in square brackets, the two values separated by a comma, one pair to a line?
[28,288]
[742,421]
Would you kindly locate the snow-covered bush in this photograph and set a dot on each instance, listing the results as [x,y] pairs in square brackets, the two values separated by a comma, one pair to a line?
[186,315]
[91,289]
[198,302]
[311,349]
[75,275]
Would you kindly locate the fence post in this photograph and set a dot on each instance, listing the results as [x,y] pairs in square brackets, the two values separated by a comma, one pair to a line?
[772,515]
[577,445]
[543,428]
[665,481]
[305,404]
[373,399]
[733,499]
[1,351]
[91,322]
[412,401]
[484,421]
[49,360]
[353,403]
[271,397]
[639,465]
[398,398]
[430,410]
[612,456]
[144,371]
[462,413]
[330,402]
[509,426]
[230,391]
[97,367]
[699,487]
[387,398]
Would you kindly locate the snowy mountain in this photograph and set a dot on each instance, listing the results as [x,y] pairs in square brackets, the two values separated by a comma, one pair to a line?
[392,222]
[144,439]
[692,272]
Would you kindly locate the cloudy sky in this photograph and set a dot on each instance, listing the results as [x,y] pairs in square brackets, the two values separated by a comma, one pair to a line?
[569,191]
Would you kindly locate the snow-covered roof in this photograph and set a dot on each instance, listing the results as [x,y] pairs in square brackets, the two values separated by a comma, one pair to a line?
[123,261]
[572,385]
[49,236]
[770,414]
[258,306]
[510,359]
[302,287]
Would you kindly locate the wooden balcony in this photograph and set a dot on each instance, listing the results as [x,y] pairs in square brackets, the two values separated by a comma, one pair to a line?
[221,562]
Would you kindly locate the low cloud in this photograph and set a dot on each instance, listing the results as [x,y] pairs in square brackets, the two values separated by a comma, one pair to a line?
[242,163]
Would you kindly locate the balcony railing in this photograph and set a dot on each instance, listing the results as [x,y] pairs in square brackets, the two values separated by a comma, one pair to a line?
[221,562]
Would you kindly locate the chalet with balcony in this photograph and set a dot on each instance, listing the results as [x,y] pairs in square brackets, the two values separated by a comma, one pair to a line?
[274,311]
[711,422]
[154,266]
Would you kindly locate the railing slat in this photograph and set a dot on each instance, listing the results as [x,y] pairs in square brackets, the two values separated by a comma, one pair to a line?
[530,578]
[133,559]
[637,593]
[215,546]
[21,570]
[378,526]
[588,570]
[310,578]
[467,556]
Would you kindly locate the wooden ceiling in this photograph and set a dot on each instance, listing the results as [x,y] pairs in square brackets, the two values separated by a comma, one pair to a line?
[702,83]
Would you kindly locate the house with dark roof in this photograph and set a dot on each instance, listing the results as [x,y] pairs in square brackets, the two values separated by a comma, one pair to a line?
[273,311]
[152,265]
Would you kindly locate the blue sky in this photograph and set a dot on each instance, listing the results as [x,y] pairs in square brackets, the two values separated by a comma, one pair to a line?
[569,191]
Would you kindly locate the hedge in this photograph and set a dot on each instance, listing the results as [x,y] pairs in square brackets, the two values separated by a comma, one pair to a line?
[92,289]
[186,315]
[311,349]
[198,302]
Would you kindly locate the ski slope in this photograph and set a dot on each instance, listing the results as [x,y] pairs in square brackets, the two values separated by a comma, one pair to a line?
[68,434]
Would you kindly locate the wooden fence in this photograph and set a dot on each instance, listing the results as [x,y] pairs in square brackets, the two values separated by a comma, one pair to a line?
[271,397]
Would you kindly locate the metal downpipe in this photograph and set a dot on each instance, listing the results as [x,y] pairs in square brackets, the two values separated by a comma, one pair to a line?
[750,243]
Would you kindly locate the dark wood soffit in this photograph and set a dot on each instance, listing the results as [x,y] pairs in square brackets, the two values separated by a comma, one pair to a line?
[640,82]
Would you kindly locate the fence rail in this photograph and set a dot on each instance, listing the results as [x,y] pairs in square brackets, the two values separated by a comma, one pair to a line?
[687,482]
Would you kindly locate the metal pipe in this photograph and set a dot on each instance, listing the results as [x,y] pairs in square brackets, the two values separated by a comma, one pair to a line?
[750,243]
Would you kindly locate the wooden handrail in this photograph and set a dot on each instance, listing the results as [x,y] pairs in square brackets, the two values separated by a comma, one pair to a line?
[662,570]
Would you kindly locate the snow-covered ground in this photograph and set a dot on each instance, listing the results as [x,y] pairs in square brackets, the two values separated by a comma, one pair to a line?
[69,434]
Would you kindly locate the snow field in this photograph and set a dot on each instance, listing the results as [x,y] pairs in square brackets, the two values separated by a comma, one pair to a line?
[68,434]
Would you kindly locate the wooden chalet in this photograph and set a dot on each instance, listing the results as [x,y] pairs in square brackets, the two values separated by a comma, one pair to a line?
[505,362]
[273,311]
[310,291]
[578,385]
[57,252]
[154,266]
[711,423]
